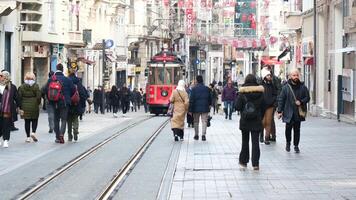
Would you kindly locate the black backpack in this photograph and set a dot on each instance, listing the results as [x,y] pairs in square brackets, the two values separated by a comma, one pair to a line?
[249,111]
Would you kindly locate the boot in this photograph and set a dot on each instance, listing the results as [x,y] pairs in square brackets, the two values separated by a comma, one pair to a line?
[225,111]
[261,137]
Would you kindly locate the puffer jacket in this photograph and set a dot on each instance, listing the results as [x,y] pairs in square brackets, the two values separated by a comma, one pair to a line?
[200,99]
[30,98]
[253,94]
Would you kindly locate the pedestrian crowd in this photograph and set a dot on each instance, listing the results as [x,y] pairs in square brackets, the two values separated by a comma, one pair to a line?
[64,98]
[258,100]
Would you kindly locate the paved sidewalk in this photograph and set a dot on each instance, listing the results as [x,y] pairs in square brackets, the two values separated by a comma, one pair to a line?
[19,152]
[325,168]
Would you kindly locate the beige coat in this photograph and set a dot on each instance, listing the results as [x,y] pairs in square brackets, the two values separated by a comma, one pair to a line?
[180,108]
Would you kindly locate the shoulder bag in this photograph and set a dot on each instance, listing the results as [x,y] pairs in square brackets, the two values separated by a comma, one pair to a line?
[301,111]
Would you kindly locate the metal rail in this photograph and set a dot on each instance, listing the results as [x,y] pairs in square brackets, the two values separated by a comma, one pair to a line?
[125,170]
[46,180]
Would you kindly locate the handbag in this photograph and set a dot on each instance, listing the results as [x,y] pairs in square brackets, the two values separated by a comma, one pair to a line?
[301,111]
[170,110]
[171,107]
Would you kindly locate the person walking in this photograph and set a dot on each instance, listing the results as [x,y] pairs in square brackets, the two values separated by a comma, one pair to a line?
[60,100]
[97,100]
[292,102]
[76,109]
[49,109]
[214,97]
[125,99]
[9,105]
[180,101]
[30,98]
[144,102]
[199,106]
[250,102]
[270,98]
[115,99]
[228,97]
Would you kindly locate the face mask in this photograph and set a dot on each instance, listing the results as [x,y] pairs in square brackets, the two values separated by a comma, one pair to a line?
[30,82]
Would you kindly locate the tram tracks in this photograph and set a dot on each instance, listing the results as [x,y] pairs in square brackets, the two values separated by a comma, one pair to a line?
[118,177]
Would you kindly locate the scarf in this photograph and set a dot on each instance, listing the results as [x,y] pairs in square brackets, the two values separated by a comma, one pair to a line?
[5,102]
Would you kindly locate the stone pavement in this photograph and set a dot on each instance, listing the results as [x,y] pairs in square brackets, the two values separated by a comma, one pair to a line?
[325,168]
[19,152]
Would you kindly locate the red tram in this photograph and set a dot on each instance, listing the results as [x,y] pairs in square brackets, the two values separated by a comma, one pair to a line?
[165,70]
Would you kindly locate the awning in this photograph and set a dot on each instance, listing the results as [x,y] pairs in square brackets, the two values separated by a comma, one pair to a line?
[86,61]
[110,57]
[309,61]
[270,61]
[343,50]
[6,7]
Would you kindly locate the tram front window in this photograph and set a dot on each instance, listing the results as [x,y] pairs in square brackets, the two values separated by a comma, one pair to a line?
[159,76]
[177,75]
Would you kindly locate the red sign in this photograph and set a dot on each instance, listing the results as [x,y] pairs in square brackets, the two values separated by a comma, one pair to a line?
[190,21]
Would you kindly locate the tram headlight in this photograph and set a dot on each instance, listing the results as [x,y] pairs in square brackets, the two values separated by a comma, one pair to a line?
[164,93]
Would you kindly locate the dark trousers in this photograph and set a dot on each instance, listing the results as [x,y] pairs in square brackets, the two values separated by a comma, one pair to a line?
[73,126]
[115,109]
[178,132]
[96,107]
[60,120]
[5,127]
[125,106]
[102,108]
[296,130]
[245,149]
[146,107]
[28,124]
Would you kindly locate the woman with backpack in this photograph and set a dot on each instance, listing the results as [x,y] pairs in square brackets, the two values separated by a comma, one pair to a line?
[30,98]
[250,102]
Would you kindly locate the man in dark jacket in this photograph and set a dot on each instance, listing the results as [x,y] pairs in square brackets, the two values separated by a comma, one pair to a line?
[61,107]
[251,119]
[76,110]
[294,94]
[228,97]
[199,105]
[270,98]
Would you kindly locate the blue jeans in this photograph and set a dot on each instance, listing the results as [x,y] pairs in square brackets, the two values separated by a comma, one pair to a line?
[228,108]
[60,120]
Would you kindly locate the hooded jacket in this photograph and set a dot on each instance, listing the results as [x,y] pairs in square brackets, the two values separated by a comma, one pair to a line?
[253,94]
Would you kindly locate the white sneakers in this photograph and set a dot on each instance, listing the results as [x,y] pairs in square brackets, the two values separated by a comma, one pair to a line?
[5,144]
[33,136]
[28,140]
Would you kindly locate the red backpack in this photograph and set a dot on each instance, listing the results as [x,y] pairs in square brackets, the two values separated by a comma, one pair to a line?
[75,97]
[55,88]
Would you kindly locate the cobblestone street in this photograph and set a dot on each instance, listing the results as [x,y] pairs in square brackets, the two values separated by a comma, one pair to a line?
[325,168]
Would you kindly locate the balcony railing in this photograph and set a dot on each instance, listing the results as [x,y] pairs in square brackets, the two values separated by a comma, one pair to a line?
[75,37]
[134,61]
[136,30]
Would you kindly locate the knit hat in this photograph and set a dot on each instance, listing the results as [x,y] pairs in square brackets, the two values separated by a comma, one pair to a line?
[265,72]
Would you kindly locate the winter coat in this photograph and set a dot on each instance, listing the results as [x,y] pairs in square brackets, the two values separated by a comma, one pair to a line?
[270,94]
[14,102]
[253,94]
[83,94]
[30,98]
[214,96]
[114,97]
[181,104]
[98,96]
[200,99]
[68,88]
[125,95]
[228,94]
[286,102]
